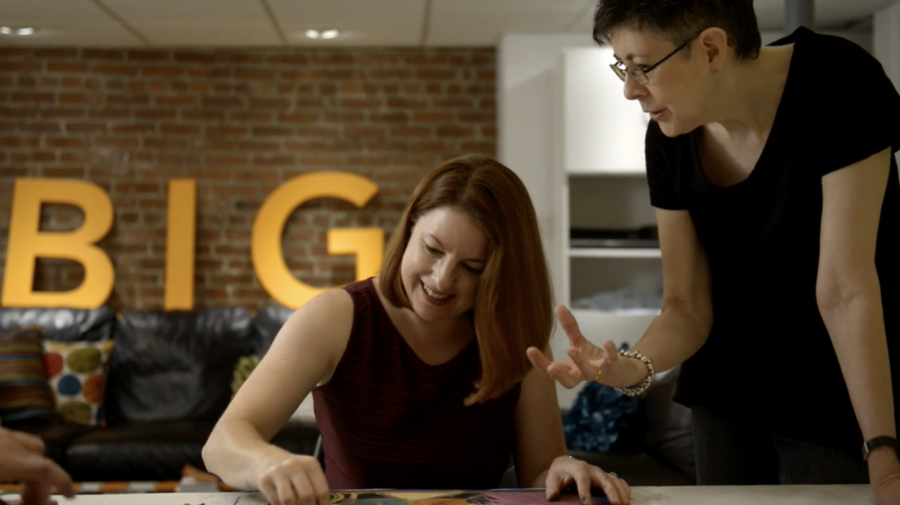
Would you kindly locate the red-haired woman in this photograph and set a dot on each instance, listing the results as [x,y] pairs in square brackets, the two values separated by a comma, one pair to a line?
[420,377]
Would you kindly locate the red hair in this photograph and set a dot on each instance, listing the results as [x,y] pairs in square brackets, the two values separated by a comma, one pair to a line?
[514,304]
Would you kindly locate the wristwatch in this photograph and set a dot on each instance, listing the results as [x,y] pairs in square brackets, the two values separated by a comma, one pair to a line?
[878,442]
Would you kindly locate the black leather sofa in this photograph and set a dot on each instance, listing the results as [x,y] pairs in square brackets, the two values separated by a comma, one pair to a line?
[169,380]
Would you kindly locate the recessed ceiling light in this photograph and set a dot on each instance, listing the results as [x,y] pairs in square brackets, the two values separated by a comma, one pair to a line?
[26,30]
[325,34]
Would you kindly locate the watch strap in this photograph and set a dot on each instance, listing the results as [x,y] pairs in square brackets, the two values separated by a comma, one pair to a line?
[876,442]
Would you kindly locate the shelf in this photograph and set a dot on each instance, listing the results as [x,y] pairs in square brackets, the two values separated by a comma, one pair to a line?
[596,315]
[584,172]
[611,252]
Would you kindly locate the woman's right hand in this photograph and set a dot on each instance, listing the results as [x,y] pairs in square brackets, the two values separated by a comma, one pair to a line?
[585,360]
[292,479]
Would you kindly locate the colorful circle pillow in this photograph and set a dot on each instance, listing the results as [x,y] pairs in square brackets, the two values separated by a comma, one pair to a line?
[76,372]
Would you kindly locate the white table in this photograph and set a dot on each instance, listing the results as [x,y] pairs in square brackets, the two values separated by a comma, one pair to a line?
[684,495]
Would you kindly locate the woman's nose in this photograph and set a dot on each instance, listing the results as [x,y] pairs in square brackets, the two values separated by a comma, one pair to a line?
[443,275]
[633,90]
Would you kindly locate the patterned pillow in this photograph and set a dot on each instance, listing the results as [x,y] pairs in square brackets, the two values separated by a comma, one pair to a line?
[23,384]
[77,375]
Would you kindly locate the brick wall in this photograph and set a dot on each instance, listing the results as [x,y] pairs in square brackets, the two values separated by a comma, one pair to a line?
[240,122]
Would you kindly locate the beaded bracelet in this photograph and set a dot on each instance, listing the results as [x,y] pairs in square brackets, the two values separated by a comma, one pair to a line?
[642,386]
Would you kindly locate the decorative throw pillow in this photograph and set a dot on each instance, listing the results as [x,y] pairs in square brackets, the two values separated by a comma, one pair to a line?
[23,384]
[242,371]
[77,375]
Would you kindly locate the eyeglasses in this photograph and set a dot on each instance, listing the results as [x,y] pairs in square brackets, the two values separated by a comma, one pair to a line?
[639,74]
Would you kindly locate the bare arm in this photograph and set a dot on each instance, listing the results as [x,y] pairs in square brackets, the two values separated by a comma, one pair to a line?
[849,295]
[685,320]
[305,352]
[539,434]
[542,459]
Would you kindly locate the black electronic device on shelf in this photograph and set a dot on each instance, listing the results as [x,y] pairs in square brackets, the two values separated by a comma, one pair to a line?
[644,237]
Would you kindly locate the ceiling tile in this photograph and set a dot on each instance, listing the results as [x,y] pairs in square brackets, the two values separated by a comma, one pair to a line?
[234,35]
[362,23]
[63,23]
[481,22]
[189,12]
[198,22]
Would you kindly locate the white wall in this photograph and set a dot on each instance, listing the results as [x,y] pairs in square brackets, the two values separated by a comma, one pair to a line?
[525,117]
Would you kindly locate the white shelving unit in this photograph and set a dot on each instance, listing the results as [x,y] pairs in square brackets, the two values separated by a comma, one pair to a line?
[582,252]
[599,181]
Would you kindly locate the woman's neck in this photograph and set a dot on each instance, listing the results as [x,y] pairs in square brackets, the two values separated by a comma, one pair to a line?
[747,99]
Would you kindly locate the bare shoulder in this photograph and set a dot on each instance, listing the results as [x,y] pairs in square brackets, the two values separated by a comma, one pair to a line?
[319,328]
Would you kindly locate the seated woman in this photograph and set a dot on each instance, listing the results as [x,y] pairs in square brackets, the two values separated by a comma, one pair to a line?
[419,377]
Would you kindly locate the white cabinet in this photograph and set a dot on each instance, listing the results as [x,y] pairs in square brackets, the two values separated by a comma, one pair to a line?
[602,132]
[599,182]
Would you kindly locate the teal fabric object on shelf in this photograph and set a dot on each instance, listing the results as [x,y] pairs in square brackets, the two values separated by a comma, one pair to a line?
[598,417]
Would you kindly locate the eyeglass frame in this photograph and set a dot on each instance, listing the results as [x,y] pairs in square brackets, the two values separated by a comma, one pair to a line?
[621,73]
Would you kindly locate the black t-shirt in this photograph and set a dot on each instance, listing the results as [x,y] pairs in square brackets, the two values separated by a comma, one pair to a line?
[769,358]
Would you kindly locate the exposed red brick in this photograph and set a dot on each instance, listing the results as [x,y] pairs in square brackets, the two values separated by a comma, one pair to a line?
[61,113]
[85,128]
[102,54]
[225,131]
[162,71]
[20,66]
[115,69]
[174,129]
[176,100]
[155,114]
[223,102]
[165,144]
[241,122]
[188,57]
[149,56]
[32,97]
[65,66]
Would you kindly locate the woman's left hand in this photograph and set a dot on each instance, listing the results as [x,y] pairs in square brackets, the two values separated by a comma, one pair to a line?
[567,470]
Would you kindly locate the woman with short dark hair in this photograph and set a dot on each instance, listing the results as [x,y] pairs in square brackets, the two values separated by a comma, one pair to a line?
[778,205]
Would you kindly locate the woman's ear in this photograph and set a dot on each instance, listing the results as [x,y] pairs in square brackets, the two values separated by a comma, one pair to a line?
[713,45]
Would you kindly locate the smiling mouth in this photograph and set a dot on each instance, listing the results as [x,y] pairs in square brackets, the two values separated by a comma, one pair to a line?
[434,294]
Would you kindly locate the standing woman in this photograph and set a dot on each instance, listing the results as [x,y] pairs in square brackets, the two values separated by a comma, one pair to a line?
[778,205]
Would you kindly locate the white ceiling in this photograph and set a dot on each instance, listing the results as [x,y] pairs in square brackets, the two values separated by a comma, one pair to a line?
[362,22]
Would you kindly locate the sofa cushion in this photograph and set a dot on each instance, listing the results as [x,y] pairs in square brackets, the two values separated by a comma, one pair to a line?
[56,436]
[137,451]
[24,393]
[159,451]
[267,323]
[63,325]
[76,372]
[175,366]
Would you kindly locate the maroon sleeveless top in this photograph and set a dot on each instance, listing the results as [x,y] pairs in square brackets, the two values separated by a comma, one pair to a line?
[389,420]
